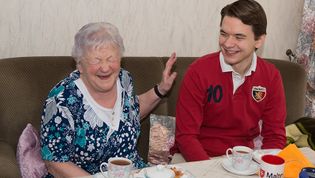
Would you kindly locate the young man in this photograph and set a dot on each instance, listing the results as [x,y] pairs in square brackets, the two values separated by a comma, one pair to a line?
[224,95]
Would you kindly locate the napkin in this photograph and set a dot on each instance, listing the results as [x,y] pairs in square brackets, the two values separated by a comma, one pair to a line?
[294,161]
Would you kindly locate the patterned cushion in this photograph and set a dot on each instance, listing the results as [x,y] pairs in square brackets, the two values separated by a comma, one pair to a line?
[162,137]
[28,154]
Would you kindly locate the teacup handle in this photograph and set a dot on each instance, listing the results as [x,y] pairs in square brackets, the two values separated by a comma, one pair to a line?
[101,169]
[227,153]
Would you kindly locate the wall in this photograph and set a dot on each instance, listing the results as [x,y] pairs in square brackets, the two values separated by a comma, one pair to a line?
[149,27]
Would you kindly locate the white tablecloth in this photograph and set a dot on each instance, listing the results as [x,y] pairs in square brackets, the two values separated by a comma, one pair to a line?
[213,168]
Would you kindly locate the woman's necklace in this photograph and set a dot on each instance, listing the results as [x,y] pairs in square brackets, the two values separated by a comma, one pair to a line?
[113,114]
[112,122]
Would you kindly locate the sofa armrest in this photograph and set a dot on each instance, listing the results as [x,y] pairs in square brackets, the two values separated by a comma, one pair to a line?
[8,163]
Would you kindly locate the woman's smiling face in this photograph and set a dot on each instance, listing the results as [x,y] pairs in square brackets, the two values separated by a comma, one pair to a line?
[99,68]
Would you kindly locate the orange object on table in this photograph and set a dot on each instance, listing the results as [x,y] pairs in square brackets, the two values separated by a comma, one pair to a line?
[294,161]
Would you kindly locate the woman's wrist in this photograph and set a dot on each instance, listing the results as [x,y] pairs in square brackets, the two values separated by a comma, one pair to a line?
[158,92]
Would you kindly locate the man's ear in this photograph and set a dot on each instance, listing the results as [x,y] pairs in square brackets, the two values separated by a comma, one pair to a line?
[260,41]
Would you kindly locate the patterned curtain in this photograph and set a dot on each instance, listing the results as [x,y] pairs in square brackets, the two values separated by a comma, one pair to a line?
[305,53]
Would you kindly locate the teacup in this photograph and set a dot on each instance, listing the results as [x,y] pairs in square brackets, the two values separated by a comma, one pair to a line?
[159,171]
[271,166]
[117,167]
[241,157]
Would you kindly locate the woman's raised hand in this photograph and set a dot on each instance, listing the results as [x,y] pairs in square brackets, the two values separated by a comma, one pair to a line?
[168,76]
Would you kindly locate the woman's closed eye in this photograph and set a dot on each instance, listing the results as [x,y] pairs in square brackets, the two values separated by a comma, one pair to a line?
[112,59]
[94,61]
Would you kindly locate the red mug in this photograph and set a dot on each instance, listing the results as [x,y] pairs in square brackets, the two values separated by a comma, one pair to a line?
[271,166]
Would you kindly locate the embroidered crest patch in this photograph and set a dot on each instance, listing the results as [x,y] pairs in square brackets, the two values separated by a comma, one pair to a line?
[259,93]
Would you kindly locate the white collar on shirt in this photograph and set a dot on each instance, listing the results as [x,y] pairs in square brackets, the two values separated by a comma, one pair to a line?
[228,68]
[238,80]
[102,113]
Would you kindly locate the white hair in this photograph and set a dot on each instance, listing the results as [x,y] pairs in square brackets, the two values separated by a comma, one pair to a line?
[94,35]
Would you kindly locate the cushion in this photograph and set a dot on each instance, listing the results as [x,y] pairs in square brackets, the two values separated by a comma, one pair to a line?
[302,132]
[28,154]
[162,137]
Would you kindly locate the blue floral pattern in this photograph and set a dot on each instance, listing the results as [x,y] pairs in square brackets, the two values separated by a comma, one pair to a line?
[70,130]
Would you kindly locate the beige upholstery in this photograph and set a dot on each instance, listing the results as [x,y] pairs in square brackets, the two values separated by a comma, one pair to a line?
[26,81]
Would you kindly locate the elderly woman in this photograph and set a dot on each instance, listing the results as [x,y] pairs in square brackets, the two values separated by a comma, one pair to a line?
[94,114]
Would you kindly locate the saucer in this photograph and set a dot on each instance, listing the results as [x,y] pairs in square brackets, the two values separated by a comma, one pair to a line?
[257,154]
[103,174]
[142,173]
[253,168]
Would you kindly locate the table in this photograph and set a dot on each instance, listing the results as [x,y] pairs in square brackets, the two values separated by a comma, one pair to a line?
[213,168]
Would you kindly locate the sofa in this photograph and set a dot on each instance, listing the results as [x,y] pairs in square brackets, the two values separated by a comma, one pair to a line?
[26,81]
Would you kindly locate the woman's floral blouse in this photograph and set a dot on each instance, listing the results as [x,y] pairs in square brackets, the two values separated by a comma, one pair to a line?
[71,131]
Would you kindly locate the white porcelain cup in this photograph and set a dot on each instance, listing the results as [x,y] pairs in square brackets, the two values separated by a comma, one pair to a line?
[271,166]
[117,167]
[241,157]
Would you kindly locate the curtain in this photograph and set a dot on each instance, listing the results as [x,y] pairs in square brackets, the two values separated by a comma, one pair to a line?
[305,53]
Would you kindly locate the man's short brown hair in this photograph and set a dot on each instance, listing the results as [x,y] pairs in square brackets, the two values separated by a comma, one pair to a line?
[250,13]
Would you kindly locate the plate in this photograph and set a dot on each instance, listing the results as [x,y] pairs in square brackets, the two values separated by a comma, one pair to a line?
[186,174]
[253,168]
[257,154]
